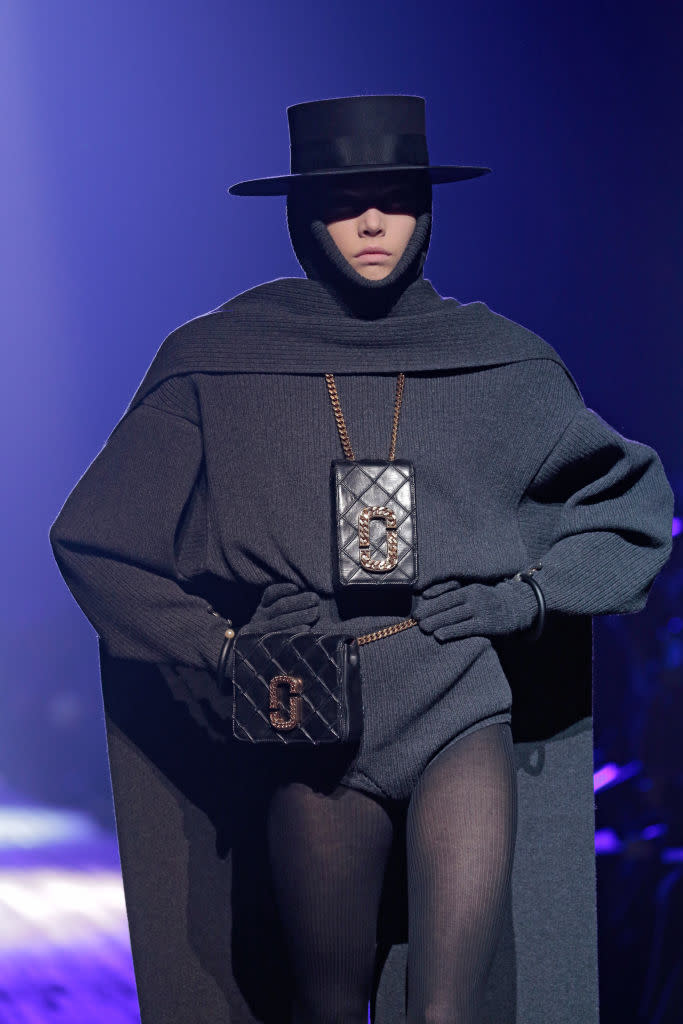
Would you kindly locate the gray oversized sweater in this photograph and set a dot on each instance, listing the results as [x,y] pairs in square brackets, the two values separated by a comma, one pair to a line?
[222,472]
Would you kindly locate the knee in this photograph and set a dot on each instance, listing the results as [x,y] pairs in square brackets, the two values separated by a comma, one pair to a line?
[435,1013]
[431,1015]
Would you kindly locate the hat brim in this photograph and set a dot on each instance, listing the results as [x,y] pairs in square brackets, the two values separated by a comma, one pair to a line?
[440,174]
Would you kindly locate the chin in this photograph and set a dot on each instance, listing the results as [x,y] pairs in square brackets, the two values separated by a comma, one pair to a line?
[379,273]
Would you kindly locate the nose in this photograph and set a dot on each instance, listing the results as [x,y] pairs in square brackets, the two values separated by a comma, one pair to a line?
[372,220]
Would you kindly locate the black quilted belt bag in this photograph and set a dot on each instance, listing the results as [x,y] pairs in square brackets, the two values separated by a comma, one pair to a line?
[299,685]
[303,685]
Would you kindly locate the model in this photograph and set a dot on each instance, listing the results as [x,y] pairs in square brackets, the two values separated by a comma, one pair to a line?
[215,482]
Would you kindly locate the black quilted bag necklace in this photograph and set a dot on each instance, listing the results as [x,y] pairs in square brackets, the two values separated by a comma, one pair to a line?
[367,492]
[303,685]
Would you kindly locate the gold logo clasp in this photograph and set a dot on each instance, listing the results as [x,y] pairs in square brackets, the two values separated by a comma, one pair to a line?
[294,686]
[364,517]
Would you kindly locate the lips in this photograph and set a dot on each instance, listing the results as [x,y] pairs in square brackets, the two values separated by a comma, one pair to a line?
[379,252]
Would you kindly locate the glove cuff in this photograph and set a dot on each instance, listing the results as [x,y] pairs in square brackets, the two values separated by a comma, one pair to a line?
[519,603]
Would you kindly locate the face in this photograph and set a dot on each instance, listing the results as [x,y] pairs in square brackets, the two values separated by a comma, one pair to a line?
[371,212]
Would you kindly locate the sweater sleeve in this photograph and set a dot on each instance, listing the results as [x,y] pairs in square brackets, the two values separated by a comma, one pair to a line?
[603,508]
[115,539]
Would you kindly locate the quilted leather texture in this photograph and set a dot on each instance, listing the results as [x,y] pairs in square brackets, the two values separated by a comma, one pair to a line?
[357,484]
[330,703]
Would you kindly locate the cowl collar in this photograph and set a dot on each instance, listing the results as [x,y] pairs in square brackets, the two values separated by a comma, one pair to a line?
[293,325]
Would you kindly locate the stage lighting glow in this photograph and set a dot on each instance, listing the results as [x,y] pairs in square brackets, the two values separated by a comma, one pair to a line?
[611,774]
[28,827]
[608,773]
[653,831]
[52,907]
[607,841]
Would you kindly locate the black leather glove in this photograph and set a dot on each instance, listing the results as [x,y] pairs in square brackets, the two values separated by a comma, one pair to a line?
[451,611]
[283,605]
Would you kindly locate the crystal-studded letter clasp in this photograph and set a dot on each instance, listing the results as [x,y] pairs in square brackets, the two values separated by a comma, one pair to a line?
[294,686]
[364,517]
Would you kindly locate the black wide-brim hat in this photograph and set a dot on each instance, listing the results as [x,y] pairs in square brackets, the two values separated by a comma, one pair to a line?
[356,135]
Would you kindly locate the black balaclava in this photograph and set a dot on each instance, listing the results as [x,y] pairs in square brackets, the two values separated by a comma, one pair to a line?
[322,261]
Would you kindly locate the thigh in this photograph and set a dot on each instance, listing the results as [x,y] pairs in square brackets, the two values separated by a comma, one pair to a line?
[460,834]
[328,852]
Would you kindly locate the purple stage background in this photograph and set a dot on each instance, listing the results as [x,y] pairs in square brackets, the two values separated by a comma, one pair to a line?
[124,123]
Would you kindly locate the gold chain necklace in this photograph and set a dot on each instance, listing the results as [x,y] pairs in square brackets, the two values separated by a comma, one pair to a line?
[364,517]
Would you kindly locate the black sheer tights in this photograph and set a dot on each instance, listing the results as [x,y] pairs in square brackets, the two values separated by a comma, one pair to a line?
[328,853]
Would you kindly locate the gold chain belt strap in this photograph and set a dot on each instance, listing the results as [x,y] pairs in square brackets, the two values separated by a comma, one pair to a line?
[398,627]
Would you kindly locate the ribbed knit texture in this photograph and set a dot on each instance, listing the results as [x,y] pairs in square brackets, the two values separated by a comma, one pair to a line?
[227,473]
[509,467]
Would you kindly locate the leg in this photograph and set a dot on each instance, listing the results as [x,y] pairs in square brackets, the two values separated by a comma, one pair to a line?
[460,835]
[328,853]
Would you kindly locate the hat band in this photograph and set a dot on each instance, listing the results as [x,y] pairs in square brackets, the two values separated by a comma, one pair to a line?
[358,151]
